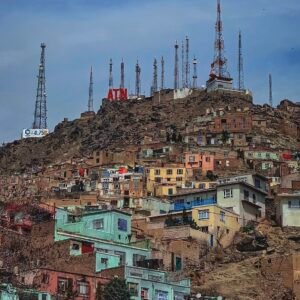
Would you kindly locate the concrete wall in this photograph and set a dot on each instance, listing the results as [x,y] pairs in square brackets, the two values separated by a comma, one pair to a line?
[285,215]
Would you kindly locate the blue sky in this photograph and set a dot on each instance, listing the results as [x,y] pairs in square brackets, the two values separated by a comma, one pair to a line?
[81,33]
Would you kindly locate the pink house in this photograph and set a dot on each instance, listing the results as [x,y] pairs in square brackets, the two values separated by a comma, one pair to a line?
[81,285]
[199,161]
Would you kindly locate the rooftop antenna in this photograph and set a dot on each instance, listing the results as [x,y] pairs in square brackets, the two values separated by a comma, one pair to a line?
[90,103]
[110,81]
[219,65]
[187,63]
[176,75]
[195,73]
[137,79]
[240,64]
[270,91]
[162,83]
[122,85]
[40,112]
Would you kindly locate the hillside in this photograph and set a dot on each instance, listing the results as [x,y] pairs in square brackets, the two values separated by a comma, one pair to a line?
[118,124]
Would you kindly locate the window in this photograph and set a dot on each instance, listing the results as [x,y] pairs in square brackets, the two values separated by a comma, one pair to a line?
[122,224]
[222,216]
[178,178]
[157,179]
[98,224]
[63,284]
[257,183]
[83,288]
[204,229]
[191,158]
[179,171]
[44,297]
[227,193]
[144,293]
[161,295]
[207,159]
[97,160]
[203,214]
[122,256]
[136,258]
[254,198]
[133,289]
[268,155]
[169,171]
[170,191]
[246,195]
[45,278]
[227,231]
[202,186]
[75,246]
[294,203]
[104,261]
[157,172]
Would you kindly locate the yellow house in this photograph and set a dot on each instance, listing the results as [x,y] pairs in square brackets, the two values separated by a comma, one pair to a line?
[169,175]
[165,189]
[220,223]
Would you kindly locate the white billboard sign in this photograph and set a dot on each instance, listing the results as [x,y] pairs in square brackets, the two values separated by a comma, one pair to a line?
[34,133]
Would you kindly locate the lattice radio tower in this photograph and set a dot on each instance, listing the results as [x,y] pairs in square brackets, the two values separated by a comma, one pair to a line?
[40,112]
[182,65]
[110,80]
[219,65]
[137,79]
[162,79]
[91,101]
[187,63]
[122,82]
[176,73]
[240,65]
[195,73]
[154,81]
[270,91]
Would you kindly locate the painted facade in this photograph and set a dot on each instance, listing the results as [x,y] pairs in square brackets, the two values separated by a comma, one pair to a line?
[288,209]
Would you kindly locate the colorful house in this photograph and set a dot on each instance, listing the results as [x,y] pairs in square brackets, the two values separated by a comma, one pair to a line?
[151,284]
[203,162]
[288,209]
[165,175]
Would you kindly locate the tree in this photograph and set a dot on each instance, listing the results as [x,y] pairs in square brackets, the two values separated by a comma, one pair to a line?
[116,290]
[99,292]
[225,136]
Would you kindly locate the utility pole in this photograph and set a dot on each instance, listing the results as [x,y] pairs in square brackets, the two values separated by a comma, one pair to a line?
[40,113]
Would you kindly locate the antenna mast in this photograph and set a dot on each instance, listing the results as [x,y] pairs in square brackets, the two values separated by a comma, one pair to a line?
[195,73]
[187,64]
[40,113]
[110,81]
[240,65]
[219,65]
[176,75]
[137,79]
[154,82]
[270,91]
[90,103]
[122,83]
[162,83]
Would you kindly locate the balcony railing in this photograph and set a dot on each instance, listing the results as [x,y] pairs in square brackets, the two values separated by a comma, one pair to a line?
[190,205]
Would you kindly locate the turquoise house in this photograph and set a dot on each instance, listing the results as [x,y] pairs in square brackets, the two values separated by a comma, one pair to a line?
[152,284]
[9,292]
[262,155]
[106,232]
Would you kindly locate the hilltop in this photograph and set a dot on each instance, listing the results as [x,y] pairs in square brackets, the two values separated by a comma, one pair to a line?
[118,124]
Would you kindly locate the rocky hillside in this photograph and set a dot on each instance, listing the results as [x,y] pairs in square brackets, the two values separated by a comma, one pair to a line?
[118,124]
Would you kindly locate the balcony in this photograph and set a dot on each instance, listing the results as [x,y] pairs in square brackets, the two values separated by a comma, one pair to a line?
[191,204]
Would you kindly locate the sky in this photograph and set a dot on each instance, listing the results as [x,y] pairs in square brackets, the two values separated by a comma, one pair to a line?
[84,33]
